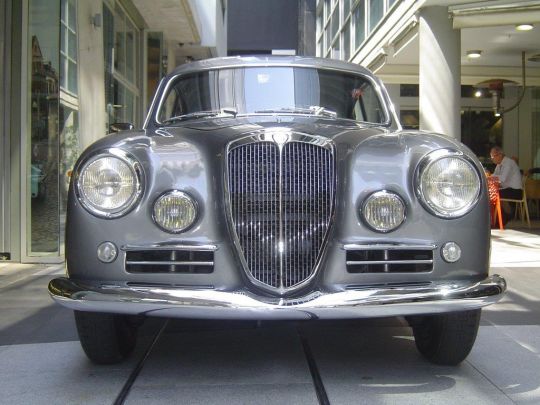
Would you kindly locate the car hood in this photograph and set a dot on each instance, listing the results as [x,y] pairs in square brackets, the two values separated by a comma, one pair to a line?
[211,136]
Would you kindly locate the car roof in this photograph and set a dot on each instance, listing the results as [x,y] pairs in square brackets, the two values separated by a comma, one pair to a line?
[269,60]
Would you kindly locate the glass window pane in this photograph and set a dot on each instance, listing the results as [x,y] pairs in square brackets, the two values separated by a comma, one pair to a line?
[42,161]
[72,77]
[63,46]
[347,41]
[336,49]
[72,19]
[294,90]
[335,22]
[130,55]
[69,150]
[63,11]
[359,25]
[129,114]
[346,8]
[376,9]
[120,44]
[328,40]
[327,7]
[72,45]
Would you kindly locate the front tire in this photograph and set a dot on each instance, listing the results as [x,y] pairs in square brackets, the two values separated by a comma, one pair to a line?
[446,339]
[105,338]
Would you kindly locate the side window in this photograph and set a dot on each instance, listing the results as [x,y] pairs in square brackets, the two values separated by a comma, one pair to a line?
[171,107]
[195,92]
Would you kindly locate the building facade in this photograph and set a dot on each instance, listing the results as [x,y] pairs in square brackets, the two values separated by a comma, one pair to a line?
[454,67]
[260,27]
[71,69]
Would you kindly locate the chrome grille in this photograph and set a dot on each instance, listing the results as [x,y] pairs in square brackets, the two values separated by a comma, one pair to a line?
[281,202]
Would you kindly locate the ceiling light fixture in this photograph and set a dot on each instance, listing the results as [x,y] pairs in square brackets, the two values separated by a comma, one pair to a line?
[524,27]
[473,54]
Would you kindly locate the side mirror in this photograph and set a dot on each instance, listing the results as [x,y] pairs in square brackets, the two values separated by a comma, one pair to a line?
[120,126]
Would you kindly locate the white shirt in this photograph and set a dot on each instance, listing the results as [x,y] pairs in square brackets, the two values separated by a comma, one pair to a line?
[508,173]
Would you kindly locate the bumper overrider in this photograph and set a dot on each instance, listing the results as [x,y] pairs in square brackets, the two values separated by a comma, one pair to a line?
[367,302]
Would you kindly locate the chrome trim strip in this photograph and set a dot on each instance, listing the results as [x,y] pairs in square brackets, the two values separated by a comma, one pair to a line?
[351,303]
[168,262]
[427,261]
[197,248]
[354,246]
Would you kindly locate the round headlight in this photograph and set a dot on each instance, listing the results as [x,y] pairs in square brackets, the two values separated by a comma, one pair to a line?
[384,211]
[175,211]
[448,184]
[108,186]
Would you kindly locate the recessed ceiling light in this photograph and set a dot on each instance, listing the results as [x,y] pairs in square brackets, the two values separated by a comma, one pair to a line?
[474,54]
[524,27]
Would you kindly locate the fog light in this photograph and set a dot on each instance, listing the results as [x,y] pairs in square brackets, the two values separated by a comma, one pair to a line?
[451,252]
[106,252]
[175,211]
[384,211]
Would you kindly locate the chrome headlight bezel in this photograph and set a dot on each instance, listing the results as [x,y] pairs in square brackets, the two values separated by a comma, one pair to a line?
[136,171]
[176,193]
[376,195]
[425,163]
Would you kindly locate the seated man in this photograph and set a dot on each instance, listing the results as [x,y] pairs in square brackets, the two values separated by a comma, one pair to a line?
[507,171]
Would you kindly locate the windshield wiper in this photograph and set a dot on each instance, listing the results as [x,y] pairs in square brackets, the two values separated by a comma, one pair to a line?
[224,112]
[312,110]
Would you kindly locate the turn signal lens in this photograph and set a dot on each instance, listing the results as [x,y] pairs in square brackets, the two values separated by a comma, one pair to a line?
[451,252]
[175,211]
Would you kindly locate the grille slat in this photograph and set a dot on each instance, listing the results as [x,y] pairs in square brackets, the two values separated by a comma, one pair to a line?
[169,261]
[281,200]
[389,259]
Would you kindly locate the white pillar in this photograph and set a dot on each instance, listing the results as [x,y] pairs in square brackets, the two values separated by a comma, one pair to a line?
[440,73]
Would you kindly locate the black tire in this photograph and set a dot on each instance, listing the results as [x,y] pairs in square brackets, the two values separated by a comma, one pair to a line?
[105,338]
[446,339]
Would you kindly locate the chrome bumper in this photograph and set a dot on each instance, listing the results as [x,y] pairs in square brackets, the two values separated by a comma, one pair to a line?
[213,304]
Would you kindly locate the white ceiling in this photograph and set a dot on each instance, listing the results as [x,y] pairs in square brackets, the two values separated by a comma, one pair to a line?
[486,25]
[500,46]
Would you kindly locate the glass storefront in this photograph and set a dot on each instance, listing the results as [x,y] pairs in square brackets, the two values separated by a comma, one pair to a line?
[52,124]
[120,51]
[52,119]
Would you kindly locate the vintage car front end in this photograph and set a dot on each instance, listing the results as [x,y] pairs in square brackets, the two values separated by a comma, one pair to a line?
[256,210]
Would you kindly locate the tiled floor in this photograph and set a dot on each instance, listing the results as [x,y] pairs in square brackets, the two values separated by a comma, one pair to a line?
[203,362]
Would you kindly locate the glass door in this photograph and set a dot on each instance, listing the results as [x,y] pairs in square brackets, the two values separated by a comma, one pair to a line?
[51,123]
[42,193]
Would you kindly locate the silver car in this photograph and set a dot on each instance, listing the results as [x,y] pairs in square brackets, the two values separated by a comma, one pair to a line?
[277,188]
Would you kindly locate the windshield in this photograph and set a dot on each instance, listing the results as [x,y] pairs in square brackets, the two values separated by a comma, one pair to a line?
[267,90]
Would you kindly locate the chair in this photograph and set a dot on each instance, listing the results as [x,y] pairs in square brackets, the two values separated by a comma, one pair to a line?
[532,187]
[495,202]
[522,208]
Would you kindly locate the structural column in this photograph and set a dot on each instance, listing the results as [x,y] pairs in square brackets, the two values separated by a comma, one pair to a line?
[440,73]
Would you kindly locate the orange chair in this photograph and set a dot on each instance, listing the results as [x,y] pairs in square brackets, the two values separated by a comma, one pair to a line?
[495,202]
